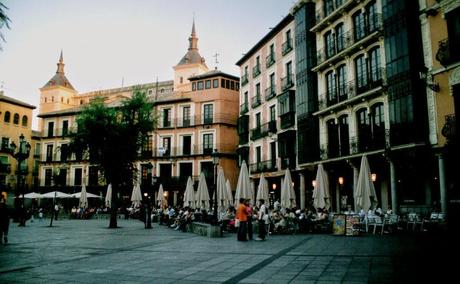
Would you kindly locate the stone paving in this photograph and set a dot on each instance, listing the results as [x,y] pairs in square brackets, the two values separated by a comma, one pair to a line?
[86,251]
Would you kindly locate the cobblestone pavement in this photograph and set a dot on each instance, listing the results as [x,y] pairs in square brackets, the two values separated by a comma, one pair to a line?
[86,251]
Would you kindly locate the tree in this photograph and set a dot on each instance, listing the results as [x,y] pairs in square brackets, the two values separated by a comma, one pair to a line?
[4,21]
[111,138]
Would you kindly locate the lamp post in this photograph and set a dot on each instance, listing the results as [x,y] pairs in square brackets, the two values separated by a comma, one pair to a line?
[215,162]
[22,153]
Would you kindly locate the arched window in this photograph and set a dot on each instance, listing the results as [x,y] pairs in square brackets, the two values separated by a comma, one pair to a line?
[329,43]
[361,72]
[340,37]
[358,26]
[16,118]
[25,120]
[364,129]
[372,20]
[7,116]
[332,139]
[378,125]
[342,82]
[331,88]
[374,64]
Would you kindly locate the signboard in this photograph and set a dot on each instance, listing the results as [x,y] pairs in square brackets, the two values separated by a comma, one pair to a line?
[352,225]
[338,224]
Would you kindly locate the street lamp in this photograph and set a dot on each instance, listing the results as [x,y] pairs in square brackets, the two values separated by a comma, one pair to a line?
[22,153]
[215,162]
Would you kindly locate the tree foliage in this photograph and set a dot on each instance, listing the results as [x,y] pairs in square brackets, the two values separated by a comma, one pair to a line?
[110,137]
[4,21]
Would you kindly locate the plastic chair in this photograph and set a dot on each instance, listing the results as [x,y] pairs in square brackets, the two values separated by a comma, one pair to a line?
[378,222]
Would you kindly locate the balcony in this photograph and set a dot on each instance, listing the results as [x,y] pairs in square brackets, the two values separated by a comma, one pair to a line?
[287,119]
[287,82]
[448,52]
[270,60]
[364,143]
[192,150]
[261,131]
[270,92]
[288,162]
[244,79]
[286,47]
[263,166]
[349,43]
[255,71]
[326,16]
[243,138]
[272,126]
[256,101]
[57,132]
[244,108]
[192,121]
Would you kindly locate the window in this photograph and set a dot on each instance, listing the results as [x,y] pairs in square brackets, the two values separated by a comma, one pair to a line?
[65,127]
[50,129]
[200,85]
[258,90]
[331,87]
[215,83]
[24,120]
[288,71]
[194,86]
[181,80]
[167,146]
[358,25]
[147,146]
[342,81]
[77,177]
[340,37]
[46,100]
[167,117]
[372,20]
[288,36]
[93,177]
[185,169]
[258,154]
[37,149]
[7,116]
[62,99]
[5,143]
[146,174]
[49,153]
[453,31]
[272,82]
[329,44]
[332,139]
[208,84]
[273,113]
[344,135]
[64,152]
[364,130]
[222,83]
[232,85]
[208,143]
[246,98]
[16,118]
[52,99]
[258,123]
[186,116]
[361,71]
[374,62]
[328,7]
[62,177]
[48,177]
[186,145]
[207,113]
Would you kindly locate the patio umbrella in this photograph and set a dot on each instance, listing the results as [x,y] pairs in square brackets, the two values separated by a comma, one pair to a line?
[262,189]
[83,197]
[55,194]
[32,195]
[229,192]
[108,196]
[287,191]
[189,194]
[243,187]
[88,195]
[321,197]
[160,197]
[222,196]
[136,196]
[202,194]
[365,192]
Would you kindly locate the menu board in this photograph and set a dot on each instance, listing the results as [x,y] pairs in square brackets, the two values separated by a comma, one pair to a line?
[352,225]
[338,224]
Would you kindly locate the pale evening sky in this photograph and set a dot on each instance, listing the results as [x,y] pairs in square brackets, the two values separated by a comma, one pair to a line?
[139,40]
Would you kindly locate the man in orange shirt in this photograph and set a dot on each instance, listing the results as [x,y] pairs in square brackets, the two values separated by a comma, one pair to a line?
[242,216]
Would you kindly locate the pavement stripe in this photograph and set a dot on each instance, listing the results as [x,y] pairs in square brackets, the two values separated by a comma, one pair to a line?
[258,266]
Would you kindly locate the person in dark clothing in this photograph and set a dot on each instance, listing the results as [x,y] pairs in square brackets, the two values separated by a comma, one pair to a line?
[242,216]
[4,222]
[249,211]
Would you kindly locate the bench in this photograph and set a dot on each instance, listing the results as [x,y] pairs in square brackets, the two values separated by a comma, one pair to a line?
[206,230]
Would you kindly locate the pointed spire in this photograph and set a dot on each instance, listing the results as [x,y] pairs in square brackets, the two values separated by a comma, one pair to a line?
[193,39]
[61,64]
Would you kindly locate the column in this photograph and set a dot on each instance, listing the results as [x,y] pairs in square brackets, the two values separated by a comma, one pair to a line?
[302,191]
[384,194]
[175,198]
[337,197]
[394,198]
[442,184]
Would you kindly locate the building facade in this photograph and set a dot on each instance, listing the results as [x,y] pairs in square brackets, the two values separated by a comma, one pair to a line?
[196,118]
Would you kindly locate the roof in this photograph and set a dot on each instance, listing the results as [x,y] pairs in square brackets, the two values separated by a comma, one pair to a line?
[59,79]
[10,100]
[284,22]
[192,56]
[213,73]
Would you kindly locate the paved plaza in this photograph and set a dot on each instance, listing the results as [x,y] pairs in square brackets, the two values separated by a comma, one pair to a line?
[86,251]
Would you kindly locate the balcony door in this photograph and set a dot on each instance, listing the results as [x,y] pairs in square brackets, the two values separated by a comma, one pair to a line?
[187,145]
[273,154]
[185,170]
[165,170]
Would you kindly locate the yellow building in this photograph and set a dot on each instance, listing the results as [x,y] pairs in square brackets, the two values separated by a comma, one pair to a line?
[15,121]
[197,113]
[440,22]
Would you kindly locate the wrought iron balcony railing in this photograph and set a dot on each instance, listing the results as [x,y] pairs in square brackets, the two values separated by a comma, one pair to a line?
[244,108]
[286,47]
[255,71]
[270,60]
[270,92]
[244,79]
[287,82]
[287,120]
[448,52]
[263,166]
[256,101]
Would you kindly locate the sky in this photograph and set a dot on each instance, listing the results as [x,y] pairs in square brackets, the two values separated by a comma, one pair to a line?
[109,42]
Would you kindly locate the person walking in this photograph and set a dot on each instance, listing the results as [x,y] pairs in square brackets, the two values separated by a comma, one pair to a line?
[250,211]
[242,216]
[4,222]
[261,217]
[56,211]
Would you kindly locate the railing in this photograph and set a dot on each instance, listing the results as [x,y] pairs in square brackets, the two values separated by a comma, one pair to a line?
[197,149]
[270,60]
[286,47]
[288,161]
[244,108]
[287,82]
[448,52]
[270,92]
[337,5]
[272,126]
[362,144]
[57,132]
[348,39]
[255,71]
[255,101]
[244,79]
[260,131]
[263,166]
[287,119]
[198,120]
